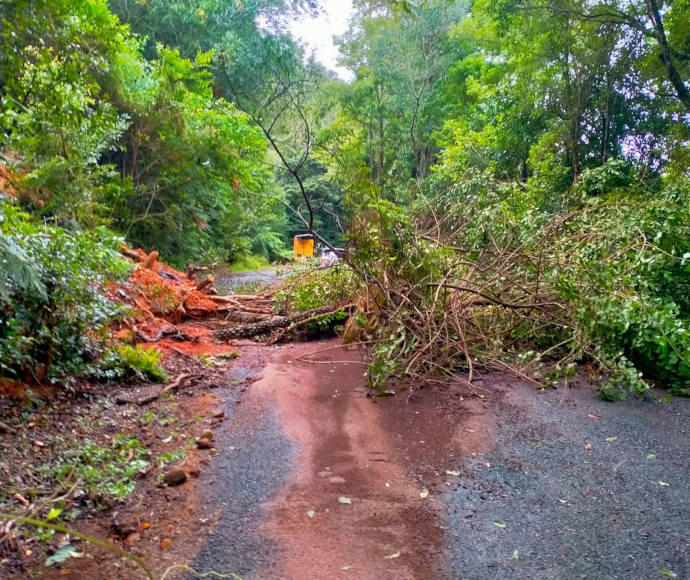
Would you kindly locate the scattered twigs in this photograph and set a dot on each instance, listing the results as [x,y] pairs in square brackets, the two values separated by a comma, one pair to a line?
[498,301]
[230,300]
[442,314]
[168,389]
[150,398]
[332,362]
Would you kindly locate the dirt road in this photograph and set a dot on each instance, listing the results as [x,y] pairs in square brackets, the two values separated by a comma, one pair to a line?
[315,480]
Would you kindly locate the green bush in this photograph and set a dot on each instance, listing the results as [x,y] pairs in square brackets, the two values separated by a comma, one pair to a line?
[52,308]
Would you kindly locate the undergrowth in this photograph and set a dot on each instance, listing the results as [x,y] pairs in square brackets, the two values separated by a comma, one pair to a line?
[107,473]
[141,362]
[53,314]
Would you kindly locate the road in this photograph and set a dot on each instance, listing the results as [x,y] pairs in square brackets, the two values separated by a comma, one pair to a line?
[316,480]
[227,282]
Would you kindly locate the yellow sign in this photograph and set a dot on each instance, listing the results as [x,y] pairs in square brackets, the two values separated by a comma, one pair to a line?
[303,246]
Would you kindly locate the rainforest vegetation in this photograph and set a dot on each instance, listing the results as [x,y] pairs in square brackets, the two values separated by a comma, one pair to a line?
[508,180]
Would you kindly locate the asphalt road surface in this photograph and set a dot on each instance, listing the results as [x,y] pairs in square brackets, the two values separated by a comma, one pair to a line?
[314,480]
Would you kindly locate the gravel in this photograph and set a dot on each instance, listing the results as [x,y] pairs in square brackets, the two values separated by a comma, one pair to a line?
[575,488]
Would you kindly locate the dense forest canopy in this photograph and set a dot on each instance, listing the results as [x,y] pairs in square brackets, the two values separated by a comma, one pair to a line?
[522,164]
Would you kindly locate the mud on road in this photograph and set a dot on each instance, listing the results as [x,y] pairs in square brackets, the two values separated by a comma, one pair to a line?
[326,482]
[316,480]
[312,479]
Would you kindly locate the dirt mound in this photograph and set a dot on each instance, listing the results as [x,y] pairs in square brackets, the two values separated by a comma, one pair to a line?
[174,309]
[162,301]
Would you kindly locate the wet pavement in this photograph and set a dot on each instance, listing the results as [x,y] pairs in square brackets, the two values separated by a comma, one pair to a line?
[574,488]
[518,484]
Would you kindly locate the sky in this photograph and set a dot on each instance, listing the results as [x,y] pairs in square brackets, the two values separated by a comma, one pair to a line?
[317,33]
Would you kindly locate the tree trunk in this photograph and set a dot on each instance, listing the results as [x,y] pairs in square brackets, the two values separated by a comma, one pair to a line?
[275,323]
[666,55]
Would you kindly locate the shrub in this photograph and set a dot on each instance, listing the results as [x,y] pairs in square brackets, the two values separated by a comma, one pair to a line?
[142,362]
[52,312]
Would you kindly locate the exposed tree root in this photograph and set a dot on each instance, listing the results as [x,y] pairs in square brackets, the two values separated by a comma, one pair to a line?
[150,398]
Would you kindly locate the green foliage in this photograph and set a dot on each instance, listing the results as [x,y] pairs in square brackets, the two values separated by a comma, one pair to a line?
[314,288]
[143,362]
[551,135]
[107,472]
[52,309]
[165,458]
[94,133]
[382,137]
[181,156]
[248,263]
[56,123]
[614,261]
[262,71]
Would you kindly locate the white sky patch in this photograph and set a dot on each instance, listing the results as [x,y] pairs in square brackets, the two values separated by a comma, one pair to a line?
[317,33]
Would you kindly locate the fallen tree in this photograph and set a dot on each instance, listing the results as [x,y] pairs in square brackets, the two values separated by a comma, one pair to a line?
[163,298]
[466,286]
[279,323]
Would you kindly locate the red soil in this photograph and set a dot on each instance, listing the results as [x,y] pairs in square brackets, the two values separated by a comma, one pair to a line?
[6,188]
[160,298]
[387,456]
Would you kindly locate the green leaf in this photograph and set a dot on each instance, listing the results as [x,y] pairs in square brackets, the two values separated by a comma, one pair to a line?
[53,513]
[62,555]
[500,524]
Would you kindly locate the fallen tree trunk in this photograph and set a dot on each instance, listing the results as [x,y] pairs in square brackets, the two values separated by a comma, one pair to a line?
[277,322]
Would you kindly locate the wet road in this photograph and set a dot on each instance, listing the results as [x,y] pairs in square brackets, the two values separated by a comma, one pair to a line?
[519,484]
